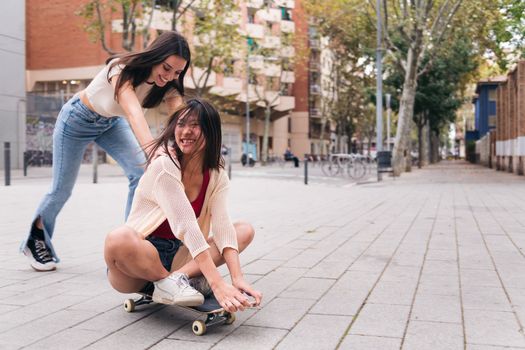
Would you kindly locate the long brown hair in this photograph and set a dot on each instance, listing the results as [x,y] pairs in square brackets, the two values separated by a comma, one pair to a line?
[137,66]
[210,124]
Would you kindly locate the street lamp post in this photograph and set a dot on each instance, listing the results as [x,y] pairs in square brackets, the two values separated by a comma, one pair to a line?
[388,110]
[247,100]
[379,93]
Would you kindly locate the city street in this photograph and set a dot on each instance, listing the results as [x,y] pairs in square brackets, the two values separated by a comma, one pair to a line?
[431,260]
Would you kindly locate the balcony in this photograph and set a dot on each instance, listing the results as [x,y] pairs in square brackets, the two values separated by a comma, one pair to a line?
[315,44]
[255,31]
[285,103]
[271,42]
[315,113]
[255,4]
[315,89]
[230,86]
[256,62]
[287,51]
[232,18]
[270,15]
[288,77]
[287,26]
[285,3]
[314,66]
[272,69]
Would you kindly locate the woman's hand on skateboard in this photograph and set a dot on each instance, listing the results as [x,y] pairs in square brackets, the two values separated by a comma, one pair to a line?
[245,287]
[230,298]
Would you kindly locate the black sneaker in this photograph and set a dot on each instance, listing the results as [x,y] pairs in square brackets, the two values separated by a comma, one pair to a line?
[39,254]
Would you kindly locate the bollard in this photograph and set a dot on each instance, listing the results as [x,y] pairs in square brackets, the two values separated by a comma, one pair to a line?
[95,163]
[26,162]
[306,171]
[7,163]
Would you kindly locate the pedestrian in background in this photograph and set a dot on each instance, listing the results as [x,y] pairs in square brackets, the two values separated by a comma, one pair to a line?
[109,112]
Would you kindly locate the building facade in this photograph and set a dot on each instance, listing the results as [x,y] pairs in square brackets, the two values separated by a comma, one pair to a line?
[61,60]
[12,83]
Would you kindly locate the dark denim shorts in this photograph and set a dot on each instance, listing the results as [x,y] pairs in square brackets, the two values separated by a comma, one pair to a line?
[167,249]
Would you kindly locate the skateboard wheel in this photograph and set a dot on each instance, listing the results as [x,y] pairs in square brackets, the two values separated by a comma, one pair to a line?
[230,318]
[129,305]
[198,327]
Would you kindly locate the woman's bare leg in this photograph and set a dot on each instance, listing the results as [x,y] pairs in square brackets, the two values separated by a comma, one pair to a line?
[245,234]
[131,260]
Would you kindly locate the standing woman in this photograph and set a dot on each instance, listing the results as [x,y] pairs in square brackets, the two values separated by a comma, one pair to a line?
[109,112]
[166,239]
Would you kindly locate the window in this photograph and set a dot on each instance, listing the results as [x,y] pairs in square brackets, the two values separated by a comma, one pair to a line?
[492,121]
[492,95]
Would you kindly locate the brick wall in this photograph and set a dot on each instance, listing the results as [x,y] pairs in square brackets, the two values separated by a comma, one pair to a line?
[56,39]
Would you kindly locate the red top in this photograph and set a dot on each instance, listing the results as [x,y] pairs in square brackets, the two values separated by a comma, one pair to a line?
[164,230]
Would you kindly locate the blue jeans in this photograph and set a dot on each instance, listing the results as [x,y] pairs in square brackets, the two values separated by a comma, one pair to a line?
[75,128]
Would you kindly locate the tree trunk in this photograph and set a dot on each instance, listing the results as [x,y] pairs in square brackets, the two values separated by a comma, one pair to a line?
[266,135]
[425,156]
[434,147]
[406,111]
[420,145]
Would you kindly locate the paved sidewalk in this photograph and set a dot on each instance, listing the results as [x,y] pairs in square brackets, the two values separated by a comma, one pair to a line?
[432,260]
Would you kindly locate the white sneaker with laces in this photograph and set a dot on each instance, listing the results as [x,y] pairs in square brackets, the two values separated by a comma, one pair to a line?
[176,289]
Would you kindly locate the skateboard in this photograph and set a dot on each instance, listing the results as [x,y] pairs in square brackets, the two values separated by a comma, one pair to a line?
[215,314]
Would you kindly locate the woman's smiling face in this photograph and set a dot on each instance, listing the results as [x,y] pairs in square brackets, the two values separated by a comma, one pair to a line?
[168,70]
[188,134]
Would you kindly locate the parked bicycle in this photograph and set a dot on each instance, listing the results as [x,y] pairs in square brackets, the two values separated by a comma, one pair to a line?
[340,163]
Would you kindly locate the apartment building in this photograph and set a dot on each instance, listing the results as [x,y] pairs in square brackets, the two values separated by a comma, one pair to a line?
[61,60]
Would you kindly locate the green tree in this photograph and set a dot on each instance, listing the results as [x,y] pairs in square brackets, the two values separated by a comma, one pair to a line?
[509,32]
[212,24]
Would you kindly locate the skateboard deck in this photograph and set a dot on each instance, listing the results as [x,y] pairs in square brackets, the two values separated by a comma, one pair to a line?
[215,314]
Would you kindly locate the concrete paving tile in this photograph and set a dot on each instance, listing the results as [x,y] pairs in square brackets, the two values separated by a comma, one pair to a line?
[433,335]
[489,347]
[365,342]
[41,328]
[169,344]
[479,278]
[261,266]
[282,253]
[517,296]
[440,267]
[316,332]
[306,259]
[442,254]
[69,339]
[281,313]
[278,280]
[144,332]
[248,337]
[436,308]
[347,295]
[486,298]
[328,269]
[493,328]
[396,293]
[381,320]
[308,288]
[370,263]
[396,273]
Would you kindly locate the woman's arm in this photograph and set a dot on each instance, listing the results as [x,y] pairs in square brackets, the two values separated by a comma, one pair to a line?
[129,102]
[173,102]
[225,237]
